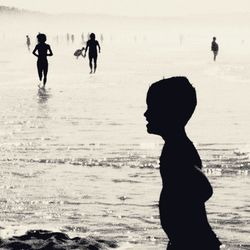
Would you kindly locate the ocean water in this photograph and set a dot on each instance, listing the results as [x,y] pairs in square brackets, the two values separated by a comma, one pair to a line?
[77,158]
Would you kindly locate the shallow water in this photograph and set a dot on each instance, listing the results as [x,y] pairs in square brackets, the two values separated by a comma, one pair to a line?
[76,157]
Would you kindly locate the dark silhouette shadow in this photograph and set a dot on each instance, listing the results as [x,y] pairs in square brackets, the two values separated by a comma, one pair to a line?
[42,62]
[28,42]
[170,104]
[92,45]
[215,48]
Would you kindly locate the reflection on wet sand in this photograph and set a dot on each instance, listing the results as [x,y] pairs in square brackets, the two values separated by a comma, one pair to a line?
[43,95]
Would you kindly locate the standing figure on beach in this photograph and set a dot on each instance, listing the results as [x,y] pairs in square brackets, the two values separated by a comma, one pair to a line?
[101,38]
[43,50]
[28,42]
[92,45]
[72,38]
[67,37]
[170,104]
[215,48]
[82,36]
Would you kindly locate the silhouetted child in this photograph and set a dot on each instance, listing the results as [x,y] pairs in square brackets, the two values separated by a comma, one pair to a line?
[92,45]
[42,62]
[171,103]
[215,48]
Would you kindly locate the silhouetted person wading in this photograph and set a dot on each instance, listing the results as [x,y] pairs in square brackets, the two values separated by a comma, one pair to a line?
[42,62]
[92,45]
[215,48]
[28,42]
[185,189]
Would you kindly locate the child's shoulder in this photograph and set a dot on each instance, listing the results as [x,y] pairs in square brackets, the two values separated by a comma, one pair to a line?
[182,152]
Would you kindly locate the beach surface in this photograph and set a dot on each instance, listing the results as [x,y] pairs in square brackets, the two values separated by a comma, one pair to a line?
[76,157]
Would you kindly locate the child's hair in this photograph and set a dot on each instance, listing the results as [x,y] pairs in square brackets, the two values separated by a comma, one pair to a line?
[175,97]
[92,36]
[41,38]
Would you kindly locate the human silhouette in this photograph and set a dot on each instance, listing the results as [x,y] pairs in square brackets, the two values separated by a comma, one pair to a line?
[67,37]
[215,48]
[28,42]
[42,63]
[92,45]
[82,36]
[185,189]
[72,38]
[102,38]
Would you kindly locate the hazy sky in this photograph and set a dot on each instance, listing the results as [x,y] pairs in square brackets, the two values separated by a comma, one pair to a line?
[133,7]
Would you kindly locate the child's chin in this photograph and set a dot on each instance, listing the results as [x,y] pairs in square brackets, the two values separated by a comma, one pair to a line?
[151,130]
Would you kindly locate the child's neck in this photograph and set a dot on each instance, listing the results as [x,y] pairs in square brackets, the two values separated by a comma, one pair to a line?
[177,135]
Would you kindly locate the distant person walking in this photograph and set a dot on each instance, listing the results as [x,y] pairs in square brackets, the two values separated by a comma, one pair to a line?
[43,50]
[185,189]
[67,37]
[92,45]
[215,48]
[102,38]
[28,42]
[82,36]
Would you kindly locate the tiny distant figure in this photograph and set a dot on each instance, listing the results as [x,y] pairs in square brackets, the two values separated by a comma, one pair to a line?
[215,48]
[82,36]
[42,62]
[101,38]
[72,38]
[185,189]
[92,45]
[78,52]
[67,37]
[28,42]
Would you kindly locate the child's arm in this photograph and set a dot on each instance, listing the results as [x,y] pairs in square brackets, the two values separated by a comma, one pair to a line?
[201,186]
[98,45]
[86,49]
[34,52]
[82,49]
[50,51]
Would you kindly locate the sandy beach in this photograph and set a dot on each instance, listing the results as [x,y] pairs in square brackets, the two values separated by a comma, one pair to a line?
[76,158]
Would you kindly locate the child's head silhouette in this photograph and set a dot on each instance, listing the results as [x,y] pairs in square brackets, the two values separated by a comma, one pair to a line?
[171,103]
[41,38]
[92,36]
